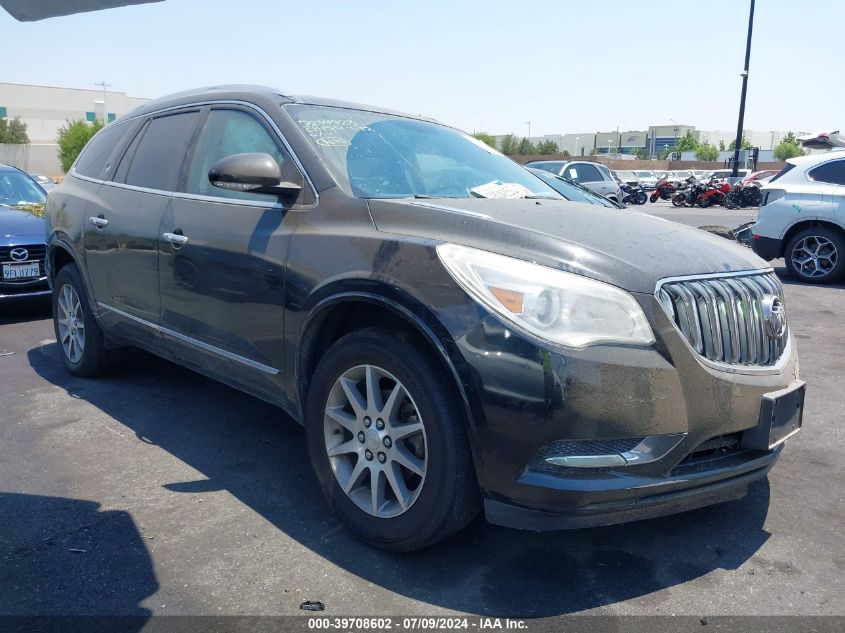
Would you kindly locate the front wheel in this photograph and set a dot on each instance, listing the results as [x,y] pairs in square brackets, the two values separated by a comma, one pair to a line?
[654,197]
[679,199]
[640,198]
[704,201]
[816,255]
[386,438]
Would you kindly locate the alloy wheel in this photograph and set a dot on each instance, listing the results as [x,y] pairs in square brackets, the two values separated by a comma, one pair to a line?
[375,441]
[71,324]
[814,256]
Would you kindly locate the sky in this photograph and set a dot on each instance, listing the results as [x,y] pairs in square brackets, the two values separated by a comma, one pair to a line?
[564,65]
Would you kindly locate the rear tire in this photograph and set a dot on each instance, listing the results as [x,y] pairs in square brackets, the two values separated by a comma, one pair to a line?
[816,255]
[640,198]
[678,200]
[81,344]
[704,202]
[367,482]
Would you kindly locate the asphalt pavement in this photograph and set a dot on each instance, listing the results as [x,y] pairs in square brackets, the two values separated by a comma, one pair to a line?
[158,491]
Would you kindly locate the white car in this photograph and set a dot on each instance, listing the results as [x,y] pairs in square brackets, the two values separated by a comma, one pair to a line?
[802,217]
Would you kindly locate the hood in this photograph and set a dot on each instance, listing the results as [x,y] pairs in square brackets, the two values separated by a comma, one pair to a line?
[15,224]
[624,248]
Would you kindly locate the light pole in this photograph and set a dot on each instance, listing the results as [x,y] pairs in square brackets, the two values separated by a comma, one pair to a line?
[577,148]
[609,143]
[618,140]
[528,123]
[744,76]
[675,142]
[105,100]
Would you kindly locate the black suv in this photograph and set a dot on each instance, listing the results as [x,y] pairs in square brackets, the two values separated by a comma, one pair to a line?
[450,332]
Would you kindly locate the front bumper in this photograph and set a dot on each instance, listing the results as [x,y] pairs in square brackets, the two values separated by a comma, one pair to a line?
[528,396]
[21,292]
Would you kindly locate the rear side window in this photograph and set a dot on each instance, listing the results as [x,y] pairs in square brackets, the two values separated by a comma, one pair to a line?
[583,173]
[95,156]
[160,153]
[832,172]
[789,167]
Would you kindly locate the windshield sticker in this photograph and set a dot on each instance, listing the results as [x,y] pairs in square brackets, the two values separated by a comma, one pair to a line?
[332,132]
[499,189]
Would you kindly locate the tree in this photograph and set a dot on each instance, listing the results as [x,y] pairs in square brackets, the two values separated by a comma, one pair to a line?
[746,144]
[641,153]
[785,150]
[706,152]
[72,138]
[526,148]
[509,146]
[664,155]
[687,143]
[548,147]
[721,146]
[790,138]
[486,138]
[13,132]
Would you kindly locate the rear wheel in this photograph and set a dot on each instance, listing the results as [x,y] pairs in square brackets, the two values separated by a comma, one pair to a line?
[816,255]
[640,198]
[679,199]
[81,343]
[732,200]
[387,441]
[704,201]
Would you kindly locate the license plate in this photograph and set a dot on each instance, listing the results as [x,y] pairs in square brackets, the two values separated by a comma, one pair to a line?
[24,270]
[781,415]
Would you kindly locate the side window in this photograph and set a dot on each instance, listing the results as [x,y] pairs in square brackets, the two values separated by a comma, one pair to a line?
[95,156]
[832,172]
[160,152]
[228,132]
[572,172]
[588,173]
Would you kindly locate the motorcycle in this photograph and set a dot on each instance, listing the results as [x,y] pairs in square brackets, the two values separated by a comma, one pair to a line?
[687,195]
[714,193]
[743,196]
[632,194]
[664,190]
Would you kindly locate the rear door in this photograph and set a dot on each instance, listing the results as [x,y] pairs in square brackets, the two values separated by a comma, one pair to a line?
[827,190]
[122,233]
[223,278]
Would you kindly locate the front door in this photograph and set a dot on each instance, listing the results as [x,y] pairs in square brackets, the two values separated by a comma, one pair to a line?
[123,224]
[222,259]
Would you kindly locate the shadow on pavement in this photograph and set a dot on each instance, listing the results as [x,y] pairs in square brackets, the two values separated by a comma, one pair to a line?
[57,557]
[253,451]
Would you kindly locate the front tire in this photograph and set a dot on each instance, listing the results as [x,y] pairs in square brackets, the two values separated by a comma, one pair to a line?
[679,199]
[387,441]
[640,198]
[816,255]
[81,343]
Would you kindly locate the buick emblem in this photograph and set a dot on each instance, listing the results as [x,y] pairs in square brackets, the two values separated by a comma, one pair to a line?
[19,254]
[774,315]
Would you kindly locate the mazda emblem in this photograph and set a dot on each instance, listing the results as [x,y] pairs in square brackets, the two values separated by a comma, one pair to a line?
[19,254]
[774,315]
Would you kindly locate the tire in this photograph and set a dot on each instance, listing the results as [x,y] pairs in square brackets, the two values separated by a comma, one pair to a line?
[822,241]
[732,201]
[678,200]
[752,196]
[704,202]
[640,198]
[440,502]
[79,337]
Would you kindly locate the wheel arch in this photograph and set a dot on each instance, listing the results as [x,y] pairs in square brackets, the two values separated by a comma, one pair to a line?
[796,228]
[60,253]
[347,311]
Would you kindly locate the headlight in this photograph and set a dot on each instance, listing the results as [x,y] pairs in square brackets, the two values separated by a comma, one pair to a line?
[556,306]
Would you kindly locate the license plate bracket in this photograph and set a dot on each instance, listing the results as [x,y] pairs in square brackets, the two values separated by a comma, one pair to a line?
[781,416]
[21,271]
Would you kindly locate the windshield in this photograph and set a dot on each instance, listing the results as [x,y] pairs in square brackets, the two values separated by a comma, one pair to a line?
[570,190]
[645,174]
[374,155]
[19,189]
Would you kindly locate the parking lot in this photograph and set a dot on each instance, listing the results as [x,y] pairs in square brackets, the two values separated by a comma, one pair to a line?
[156,490]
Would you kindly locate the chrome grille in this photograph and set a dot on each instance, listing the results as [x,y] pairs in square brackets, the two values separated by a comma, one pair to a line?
[722,317]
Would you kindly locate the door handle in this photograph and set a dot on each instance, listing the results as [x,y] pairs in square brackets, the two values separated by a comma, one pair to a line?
[175,238]
[99,222]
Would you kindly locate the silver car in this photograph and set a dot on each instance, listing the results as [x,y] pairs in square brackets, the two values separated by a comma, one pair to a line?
[593,176]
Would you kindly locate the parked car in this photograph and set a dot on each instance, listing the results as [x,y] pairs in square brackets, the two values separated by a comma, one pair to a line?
[801,218]
[758,176]
[22,245]
[572,190]
[450,332]
[629,177]
[593,176]
[46,183]
[724,174]
[648,179]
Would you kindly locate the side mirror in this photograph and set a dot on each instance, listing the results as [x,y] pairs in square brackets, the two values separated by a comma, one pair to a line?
[253,173]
